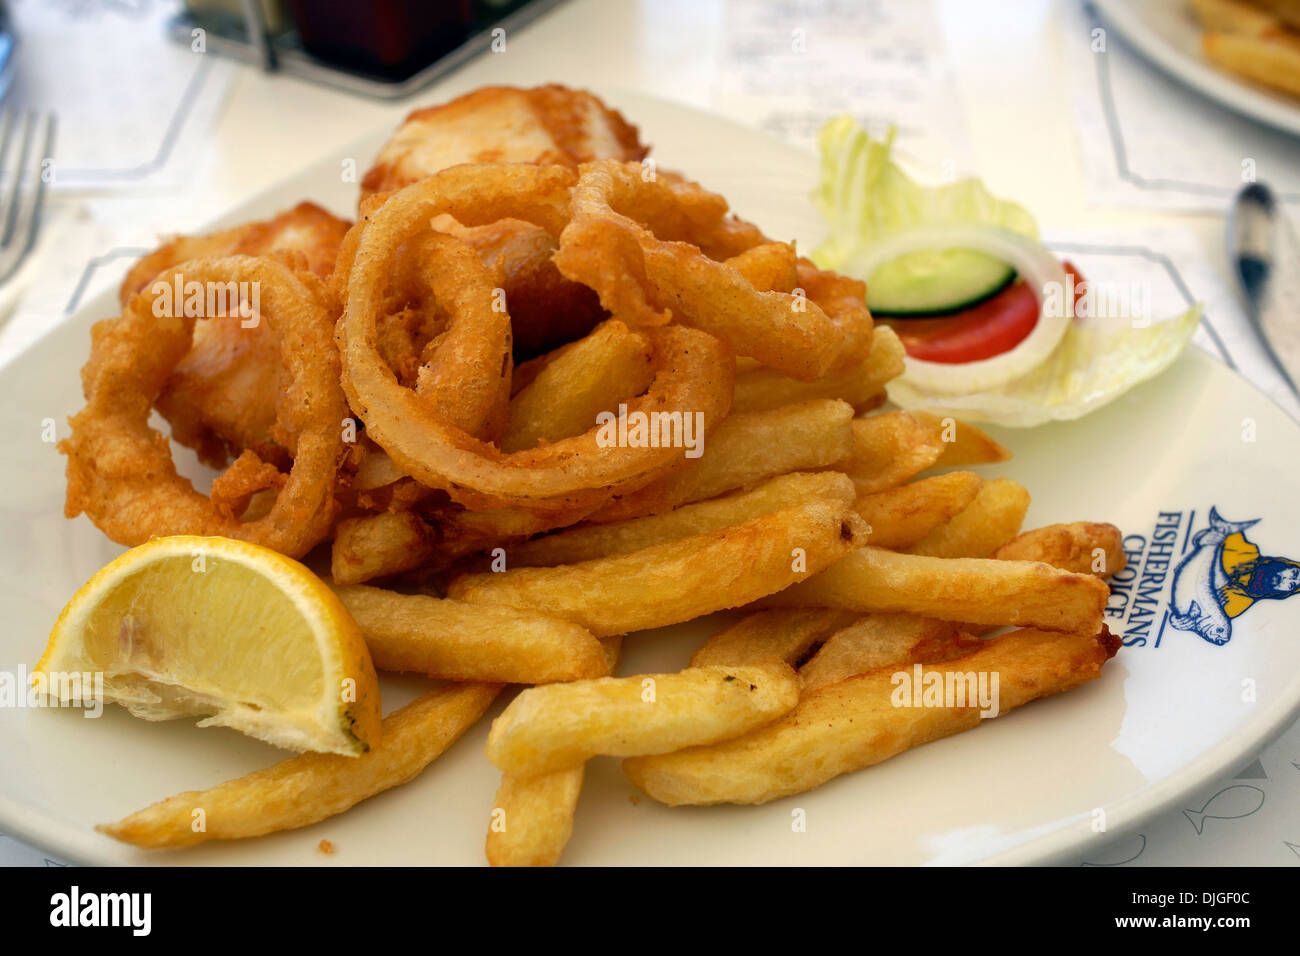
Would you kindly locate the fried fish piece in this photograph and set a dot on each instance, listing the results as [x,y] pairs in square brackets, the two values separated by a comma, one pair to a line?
[306,228]
[221,398]
[503,124]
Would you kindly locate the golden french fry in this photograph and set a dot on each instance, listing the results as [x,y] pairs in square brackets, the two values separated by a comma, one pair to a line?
[376,546]
[311,787]
[586,542]
[1287,11]
[889,449]
[746,448]
[990,521]
[610,365]
[1234,16]
[558,726]
[882,640]
[1085,547]
[963,444]
[782,634]
[532,818]
[970,590]
[415,633]
[760,389]
[861,721]
[902,516]
[687,577]
[1272,60]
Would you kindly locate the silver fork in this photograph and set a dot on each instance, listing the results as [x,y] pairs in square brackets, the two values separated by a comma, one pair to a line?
[23,177]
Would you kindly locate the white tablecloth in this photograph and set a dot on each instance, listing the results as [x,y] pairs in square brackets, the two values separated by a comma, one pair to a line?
[987,88]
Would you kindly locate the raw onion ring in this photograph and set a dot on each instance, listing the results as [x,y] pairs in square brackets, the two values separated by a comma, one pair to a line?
[120,471]
[1035,264]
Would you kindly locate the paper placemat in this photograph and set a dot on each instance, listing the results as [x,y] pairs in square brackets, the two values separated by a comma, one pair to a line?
[1148,141]
[788,67]
[134,111]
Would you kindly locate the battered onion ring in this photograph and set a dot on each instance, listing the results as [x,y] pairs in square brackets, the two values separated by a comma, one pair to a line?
[694,371]
[465,370]
[771,267]
[653,247]
[120,471]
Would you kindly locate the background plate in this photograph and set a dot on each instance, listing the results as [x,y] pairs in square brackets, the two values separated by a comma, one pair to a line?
[1168,33]
[1161,721]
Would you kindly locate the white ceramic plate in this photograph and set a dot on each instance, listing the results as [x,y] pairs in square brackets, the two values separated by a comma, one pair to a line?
[1161,721]
[1167,33]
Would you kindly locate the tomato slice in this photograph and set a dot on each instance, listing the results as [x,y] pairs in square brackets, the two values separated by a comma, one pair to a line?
[994,326]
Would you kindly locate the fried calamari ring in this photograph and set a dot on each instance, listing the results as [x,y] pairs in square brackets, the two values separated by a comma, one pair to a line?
[546,309]
[771,267]
[220,399]
[694,372]
[655,246]
[465,370]
[120,471]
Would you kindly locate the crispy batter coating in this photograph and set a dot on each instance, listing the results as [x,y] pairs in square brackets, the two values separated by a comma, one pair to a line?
[503,124]
[220,399]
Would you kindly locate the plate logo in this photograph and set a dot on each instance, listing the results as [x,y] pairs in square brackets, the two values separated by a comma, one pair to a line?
[1217,575]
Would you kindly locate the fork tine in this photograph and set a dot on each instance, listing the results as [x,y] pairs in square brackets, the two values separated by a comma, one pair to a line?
[29,194]
[8,174]
[14,159]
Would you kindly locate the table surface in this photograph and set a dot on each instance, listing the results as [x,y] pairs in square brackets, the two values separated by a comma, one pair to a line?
[1006,59]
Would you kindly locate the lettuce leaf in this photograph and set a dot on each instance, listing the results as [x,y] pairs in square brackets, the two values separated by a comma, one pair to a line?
[863,196]
[1093,365]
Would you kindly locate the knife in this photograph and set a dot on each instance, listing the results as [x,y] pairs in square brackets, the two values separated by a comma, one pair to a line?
[1265,258]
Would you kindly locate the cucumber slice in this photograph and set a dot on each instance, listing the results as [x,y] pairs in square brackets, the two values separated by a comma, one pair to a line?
[935,282]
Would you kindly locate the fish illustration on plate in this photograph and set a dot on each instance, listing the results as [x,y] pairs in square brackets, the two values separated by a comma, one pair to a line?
[1230,803]
[1120,852]
[1223,576]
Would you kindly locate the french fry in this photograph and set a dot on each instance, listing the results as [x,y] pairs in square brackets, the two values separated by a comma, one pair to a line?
[746,448]
[1273,61]
[376,546]
[558,726]
[855,723]
[889,449]
[687,577]
[314,786]
[760,389]
[782,634]
[970,590]
[586,542]
[1287,11]
[1084,547]
[1235,16]
[902,516]
[415,633]
[963,444]
[610,365]
[532,817]
[990,521]
[882,640]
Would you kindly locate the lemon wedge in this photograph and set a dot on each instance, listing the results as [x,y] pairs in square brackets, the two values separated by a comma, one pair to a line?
[228,630]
